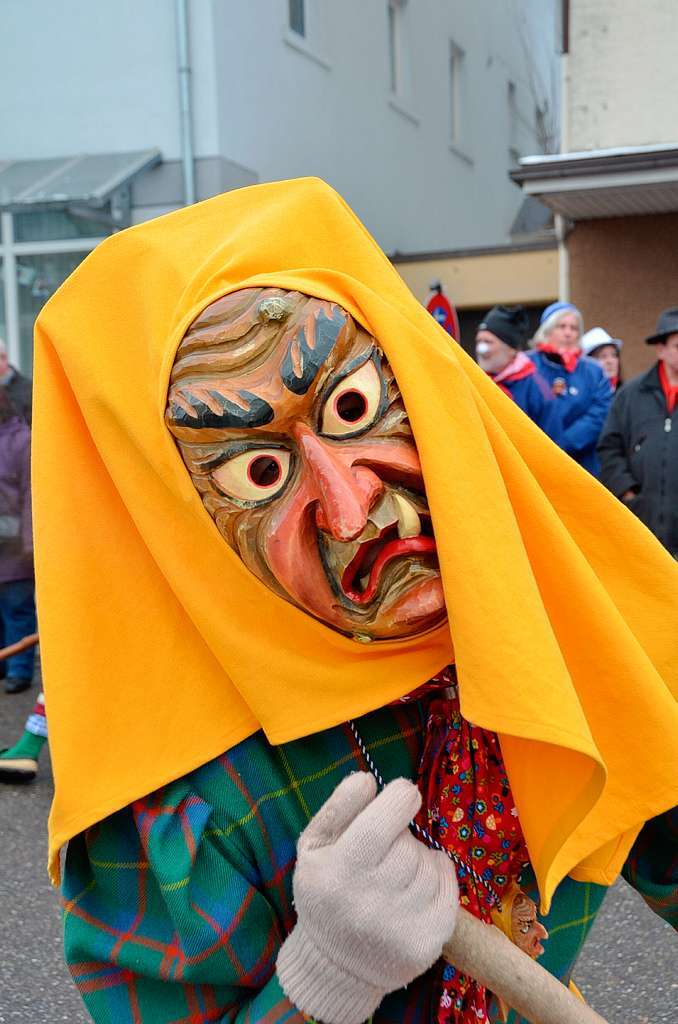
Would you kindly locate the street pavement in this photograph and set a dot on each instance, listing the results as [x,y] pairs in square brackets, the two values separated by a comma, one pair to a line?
[628,970]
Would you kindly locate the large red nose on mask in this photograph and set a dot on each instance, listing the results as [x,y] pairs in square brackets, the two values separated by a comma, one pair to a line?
[345,493]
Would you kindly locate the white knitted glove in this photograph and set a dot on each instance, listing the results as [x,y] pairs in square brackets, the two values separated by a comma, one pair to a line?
[374,905]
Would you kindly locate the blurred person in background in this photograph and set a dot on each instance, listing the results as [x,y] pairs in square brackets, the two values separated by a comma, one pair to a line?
[578,383]
[18,388]
[17,601]
[20,762]
[599,345]
[500,339]
[638,447]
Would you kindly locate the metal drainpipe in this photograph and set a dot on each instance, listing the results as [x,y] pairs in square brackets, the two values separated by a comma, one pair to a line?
[559,222]
[185,116]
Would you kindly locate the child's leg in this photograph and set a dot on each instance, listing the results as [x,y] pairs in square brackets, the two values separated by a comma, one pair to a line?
[20,762]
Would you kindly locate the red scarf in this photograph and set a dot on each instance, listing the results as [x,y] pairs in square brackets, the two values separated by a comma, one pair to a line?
[469,809]
[569,357]
[670,390]
[519,368]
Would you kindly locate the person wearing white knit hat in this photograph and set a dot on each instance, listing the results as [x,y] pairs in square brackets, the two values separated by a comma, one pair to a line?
[606,350]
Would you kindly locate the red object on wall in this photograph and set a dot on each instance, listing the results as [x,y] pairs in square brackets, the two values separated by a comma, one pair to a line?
[442,310]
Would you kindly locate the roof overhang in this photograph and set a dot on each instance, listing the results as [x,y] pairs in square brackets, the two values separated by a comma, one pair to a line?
[84,181]
[603,183]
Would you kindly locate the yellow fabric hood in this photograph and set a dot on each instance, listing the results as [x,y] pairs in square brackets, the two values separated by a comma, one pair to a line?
[160,650]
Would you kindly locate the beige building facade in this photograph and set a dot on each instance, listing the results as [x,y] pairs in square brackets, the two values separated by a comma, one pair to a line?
[476,279]
[614,186]
[620,74]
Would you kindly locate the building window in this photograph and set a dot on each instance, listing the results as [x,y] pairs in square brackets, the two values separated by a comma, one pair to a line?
[37,252]
[297,17]
[38,277]
[456,97]
[394,46]
[52,225]
[399,59]
[513,147]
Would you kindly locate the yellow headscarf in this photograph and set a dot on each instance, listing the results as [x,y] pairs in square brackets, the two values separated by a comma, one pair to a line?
[160,650]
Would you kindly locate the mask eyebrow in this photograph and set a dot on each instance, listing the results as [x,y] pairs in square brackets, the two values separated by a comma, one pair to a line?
[310,358]
[189,410]
[372,353]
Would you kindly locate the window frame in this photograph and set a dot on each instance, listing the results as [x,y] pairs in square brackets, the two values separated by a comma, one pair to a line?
[10,250]
[514,117]
[395,60]
[456,56]
[296,15]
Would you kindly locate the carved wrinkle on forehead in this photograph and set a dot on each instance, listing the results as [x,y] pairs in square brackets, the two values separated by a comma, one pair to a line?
[228,338]
[233,337]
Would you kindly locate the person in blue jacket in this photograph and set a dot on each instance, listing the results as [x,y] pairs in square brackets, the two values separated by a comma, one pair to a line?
[500,338]
[582,391]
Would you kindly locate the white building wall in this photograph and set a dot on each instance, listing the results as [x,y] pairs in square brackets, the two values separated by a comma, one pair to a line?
[77,76]
[326,109]
[622,57]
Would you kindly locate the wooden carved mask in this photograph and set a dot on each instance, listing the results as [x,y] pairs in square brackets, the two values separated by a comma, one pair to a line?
[290,422]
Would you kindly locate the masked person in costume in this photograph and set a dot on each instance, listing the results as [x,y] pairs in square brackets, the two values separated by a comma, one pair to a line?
[284,551]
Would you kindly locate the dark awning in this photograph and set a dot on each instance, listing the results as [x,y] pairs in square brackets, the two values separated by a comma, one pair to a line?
[85,180]
[603,183]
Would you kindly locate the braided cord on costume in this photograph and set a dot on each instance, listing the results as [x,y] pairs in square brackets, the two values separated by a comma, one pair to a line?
[422,832]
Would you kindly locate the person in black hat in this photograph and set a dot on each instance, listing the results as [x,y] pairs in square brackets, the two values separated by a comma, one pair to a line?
[500,339]
[638,447]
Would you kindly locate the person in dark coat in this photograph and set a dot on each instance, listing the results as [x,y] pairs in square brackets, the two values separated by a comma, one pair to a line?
[18,388]
[17,601]
[500,338]
[581,388]
[638,447]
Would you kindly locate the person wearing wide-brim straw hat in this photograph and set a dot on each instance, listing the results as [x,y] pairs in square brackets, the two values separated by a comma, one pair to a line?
[599,345]
[638,447]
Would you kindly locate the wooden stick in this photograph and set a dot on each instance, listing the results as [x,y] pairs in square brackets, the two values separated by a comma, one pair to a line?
[20,645]
[486,954]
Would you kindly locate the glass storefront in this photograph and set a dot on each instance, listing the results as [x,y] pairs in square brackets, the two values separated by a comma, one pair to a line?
[38,250]
[51,225]
[53,212]
[38,277]
[3,321]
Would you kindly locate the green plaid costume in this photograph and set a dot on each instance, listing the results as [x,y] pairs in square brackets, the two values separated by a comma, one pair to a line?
[176,906]
[652,865]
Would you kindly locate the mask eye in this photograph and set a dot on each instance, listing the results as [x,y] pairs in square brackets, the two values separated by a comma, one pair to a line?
[257,475]
[354,404]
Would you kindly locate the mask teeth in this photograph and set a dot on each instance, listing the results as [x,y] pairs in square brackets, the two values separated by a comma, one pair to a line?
[409,523]
[382,515]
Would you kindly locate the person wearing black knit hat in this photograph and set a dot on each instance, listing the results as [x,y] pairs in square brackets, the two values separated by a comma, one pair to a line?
[500,339]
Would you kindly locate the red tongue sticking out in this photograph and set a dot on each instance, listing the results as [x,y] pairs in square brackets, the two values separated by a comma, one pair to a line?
[392,549]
